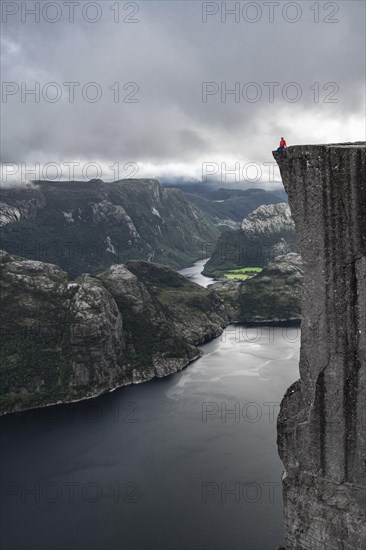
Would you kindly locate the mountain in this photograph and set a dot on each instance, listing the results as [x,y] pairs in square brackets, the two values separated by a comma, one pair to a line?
[265,233]
[270,297]
[72,338]
[205,188]
[274,295]
[66,339]
[88,226]
[228,207]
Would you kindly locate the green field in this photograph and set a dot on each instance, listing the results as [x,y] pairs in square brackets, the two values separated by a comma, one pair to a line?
[242,273]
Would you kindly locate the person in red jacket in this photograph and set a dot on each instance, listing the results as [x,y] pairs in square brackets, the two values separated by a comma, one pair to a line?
[282,146]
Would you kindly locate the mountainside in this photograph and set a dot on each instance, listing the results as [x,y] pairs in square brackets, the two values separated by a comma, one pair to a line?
[215,189]
[230,206]
[321,425]
[66,339]
[88,226]
[266,233]
[270,297]
[274,295]
[69,339]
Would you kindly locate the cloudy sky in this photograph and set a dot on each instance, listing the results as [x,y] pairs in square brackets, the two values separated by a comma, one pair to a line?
[149,85]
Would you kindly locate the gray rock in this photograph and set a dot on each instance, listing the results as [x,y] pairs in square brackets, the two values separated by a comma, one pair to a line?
[96,336]
[269,218]
[14,208]
[321,425]
[67,340]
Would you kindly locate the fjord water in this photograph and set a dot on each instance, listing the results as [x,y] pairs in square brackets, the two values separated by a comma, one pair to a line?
[194,274]
[188,462]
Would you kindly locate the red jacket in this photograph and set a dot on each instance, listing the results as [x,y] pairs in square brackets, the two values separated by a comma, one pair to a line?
[283,143]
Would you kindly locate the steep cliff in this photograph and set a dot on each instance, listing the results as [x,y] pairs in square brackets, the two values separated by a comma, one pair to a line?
[67,339]
[321,425]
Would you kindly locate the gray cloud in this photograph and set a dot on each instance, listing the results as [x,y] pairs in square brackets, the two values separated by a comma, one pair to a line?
[169,53]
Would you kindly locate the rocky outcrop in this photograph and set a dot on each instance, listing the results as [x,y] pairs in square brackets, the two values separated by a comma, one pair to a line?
[105,211]
[97,342]
[268,219]
[321,425]
[68,339]
[61,340]
[15,207]
[266,233]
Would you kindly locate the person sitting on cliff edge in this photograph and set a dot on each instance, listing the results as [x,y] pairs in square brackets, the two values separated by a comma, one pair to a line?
[282,146]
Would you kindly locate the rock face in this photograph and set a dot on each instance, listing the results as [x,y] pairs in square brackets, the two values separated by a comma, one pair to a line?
[67,339]
[321,426]
[61,340]
[15,207]
[267,219]
[266,233]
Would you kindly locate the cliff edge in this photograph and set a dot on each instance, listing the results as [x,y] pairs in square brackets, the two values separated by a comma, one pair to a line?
[321,425]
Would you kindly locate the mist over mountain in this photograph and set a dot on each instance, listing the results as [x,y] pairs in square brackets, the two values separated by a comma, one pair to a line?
[205,188]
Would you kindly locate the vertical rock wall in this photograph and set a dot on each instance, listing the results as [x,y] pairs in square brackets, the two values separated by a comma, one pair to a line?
[322,422]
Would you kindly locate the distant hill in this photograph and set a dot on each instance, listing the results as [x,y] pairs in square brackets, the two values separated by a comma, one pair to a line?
[267,232]
[270,297]
[228,205]
[88,226]
[200,187]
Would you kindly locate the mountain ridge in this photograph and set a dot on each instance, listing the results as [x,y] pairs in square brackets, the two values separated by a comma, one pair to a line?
[88,226]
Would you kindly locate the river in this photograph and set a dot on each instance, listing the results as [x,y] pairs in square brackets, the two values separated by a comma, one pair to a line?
[188,462]
[194,274]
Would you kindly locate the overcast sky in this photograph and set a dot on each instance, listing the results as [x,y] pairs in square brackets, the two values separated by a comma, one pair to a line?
[168,53]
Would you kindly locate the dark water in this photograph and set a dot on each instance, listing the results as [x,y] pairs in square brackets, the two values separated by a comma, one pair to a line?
[159,466]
